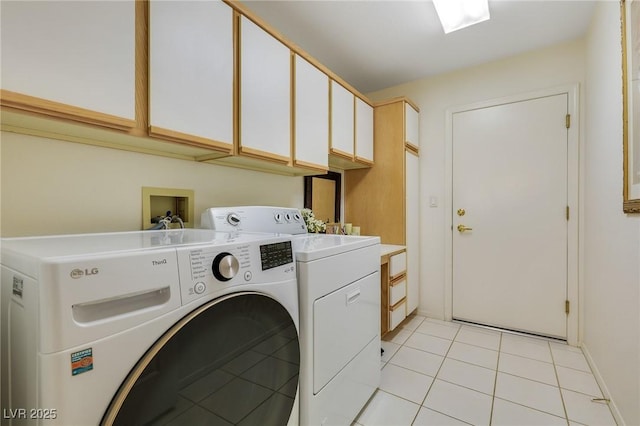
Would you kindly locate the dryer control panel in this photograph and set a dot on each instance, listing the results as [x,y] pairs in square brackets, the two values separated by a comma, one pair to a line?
[206,270]
[283,220]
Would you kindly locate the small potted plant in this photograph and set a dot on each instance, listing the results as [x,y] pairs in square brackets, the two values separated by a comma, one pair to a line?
[313,225]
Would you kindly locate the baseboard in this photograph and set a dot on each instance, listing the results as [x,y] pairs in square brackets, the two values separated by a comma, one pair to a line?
[603,386]
[428,314]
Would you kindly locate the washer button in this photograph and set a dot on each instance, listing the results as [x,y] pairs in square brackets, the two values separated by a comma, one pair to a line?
[199,288]
[248,276]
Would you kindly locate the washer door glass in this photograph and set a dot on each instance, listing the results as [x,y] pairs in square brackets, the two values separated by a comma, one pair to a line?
[234,360]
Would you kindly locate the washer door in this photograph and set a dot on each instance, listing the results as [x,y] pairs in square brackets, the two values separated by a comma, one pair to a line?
[234,360]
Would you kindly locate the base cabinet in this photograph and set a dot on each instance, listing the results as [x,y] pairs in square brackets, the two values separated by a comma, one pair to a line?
[393,287]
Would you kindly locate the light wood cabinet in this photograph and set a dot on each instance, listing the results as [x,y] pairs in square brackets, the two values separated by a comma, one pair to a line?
[412,132]
[384,200]
[73,60]
[364,132]
[191,73]
[342,122]
[351,144]
[265,95]
[311,116]
[203,81]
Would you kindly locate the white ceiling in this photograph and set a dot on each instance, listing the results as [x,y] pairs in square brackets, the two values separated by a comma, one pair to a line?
[377,44]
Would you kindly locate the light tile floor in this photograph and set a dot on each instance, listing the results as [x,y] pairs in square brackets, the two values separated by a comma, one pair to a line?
[443,373]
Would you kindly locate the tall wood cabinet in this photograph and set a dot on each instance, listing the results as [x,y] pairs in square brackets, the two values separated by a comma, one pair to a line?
[384,199]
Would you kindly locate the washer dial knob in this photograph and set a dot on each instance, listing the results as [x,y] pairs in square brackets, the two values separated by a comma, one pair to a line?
[225,266]
[233,219]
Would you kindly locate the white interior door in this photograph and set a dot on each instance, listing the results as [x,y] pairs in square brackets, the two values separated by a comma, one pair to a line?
[510,178]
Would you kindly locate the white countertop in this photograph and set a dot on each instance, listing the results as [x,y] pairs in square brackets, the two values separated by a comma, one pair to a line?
[387,249]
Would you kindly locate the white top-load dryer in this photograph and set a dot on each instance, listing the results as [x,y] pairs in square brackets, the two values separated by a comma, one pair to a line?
[156,327]
[339,290]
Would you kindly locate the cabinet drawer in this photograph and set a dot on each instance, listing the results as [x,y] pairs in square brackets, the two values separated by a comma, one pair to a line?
[397,264]
[397,291]
[397,314]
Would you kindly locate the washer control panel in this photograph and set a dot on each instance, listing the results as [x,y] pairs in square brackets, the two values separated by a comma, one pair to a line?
[283,220]
[207,269]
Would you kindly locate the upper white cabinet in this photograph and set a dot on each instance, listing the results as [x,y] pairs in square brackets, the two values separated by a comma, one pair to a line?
[191,72]
[311,116]
[364,132]
[206,81]
[342,121]
[76,59]
[265,94]
[351,143]
[412,132]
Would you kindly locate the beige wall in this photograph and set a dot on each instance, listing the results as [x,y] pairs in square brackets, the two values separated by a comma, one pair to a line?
[55,187]
[611,238]
[547,68]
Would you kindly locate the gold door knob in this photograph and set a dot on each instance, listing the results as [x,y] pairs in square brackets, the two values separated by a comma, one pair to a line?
[462,228]
[461,212]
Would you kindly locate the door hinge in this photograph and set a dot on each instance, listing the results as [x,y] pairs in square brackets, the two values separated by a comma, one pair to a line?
[568,120]
[568,213]
[567,307]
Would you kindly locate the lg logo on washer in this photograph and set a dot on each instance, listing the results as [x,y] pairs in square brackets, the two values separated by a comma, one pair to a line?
[79,273]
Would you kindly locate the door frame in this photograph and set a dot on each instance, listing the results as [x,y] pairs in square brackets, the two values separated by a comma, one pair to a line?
[573,193]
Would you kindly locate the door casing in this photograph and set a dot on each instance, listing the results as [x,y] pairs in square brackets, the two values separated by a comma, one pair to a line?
[573,192]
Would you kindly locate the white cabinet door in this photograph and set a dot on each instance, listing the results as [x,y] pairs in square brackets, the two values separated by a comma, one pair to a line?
[412,229]
[364,131]
[77,54]
[311,115]
[342,121]
[265,94]
[191,70]
[412,134]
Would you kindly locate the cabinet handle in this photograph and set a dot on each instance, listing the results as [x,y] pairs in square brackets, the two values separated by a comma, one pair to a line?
[353,296]
[398,279]
[398,304]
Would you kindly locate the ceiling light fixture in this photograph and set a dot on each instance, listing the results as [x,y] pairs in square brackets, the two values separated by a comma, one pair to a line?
[458,14]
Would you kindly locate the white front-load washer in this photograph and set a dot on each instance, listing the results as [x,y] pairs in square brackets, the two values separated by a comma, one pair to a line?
[155,327]
[339,290]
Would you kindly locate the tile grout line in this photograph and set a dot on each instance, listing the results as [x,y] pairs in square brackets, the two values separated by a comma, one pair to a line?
[495,381]
[555,370]
[436,375]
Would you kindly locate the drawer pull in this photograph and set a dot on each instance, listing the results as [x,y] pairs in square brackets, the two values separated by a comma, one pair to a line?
[353,296]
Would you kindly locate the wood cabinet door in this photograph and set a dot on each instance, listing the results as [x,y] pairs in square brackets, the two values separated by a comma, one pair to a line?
[75,59]
[311,116]
[191,71]
[265,94]
[364,131]
[412,133]
[412,211]
[342,121]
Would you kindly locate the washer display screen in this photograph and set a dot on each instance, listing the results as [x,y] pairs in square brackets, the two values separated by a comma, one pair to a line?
[276,254]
